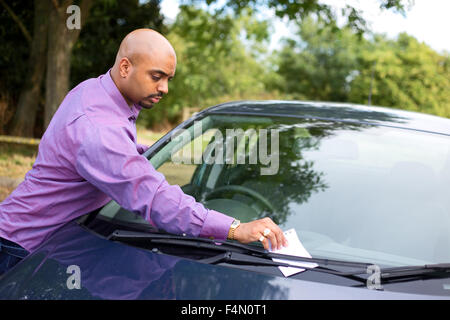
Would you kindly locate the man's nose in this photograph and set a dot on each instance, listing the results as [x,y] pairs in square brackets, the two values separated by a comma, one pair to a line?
[163,87]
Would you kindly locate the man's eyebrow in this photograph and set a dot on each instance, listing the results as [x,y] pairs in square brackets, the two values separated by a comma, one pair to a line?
[161,72]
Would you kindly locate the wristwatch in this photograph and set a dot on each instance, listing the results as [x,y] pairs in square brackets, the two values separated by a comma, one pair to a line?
[236,223]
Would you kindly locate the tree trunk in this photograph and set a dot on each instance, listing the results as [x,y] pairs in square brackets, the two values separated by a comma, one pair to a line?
[23,121]
[60,43]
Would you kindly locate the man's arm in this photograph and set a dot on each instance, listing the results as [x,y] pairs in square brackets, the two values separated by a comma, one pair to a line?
[108,159]
[141,148]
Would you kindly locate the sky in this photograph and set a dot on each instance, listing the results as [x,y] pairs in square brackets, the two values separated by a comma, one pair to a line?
[427,20]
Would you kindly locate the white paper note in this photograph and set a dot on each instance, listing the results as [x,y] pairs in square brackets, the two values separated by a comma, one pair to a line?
[294,248]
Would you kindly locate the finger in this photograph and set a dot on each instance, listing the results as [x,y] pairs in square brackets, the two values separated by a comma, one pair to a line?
[264,242]
[276,235]
[273,240]
[280,237]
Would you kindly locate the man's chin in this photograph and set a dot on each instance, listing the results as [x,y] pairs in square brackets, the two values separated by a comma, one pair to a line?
[146,104]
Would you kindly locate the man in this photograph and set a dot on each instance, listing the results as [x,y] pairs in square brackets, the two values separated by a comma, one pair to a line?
[89,155]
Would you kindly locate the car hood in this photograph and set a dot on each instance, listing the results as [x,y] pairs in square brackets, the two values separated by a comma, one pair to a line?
[77,264]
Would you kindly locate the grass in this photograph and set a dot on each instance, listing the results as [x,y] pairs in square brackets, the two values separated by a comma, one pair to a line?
[4,192]
[148,137]
[177,174]
[17,159]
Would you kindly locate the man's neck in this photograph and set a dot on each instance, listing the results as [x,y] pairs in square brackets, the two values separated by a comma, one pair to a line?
[114,77]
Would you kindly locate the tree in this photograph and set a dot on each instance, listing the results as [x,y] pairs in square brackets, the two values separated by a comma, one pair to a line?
[298,10]
[50,48]
[214,63]
[16,18]
[327,65]
[61,40]
[405,74]
[25,117]
[319,64]
[108,23]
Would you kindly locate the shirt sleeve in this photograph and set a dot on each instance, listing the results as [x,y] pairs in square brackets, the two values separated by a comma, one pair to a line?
[108,158]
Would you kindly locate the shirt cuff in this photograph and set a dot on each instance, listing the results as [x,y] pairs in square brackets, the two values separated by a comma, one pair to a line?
[216,225]
[141,148]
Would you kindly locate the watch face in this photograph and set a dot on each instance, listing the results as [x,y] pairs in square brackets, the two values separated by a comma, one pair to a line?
[235,223]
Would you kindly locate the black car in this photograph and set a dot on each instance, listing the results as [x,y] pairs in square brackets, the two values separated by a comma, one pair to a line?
[366,190]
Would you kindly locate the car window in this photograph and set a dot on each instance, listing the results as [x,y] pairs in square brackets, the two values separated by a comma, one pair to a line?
[352,191]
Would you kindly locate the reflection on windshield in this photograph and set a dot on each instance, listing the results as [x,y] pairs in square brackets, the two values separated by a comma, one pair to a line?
[352,191]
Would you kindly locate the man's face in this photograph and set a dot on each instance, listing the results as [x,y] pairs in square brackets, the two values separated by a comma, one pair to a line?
[149,77]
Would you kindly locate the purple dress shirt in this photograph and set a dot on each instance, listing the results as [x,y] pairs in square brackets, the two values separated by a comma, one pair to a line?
[88,156]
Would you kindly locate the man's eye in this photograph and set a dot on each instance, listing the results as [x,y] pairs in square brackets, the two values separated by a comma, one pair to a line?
[156,78]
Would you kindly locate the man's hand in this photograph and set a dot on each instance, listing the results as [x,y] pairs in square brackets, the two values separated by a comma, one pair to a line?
[254,231]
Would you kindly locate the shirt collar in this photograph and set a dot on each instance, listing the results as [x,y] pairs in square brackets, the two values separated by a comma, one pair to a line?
[112,90]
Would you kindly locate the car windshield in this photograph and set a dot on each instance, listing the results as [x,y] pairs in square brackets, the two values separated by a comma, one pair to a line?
[351,191]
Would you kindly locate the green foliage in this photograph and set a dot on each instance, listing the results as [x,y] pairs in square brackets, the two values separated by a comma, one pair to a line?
[109,21]
[341,66]
[222,56]
[404,74]
[318,66]
[14,48]
[300,9]
[214,63]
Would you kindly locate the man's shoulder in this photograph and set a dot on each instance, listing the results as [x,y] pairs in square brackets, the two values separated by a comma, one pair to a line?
[89,104]
[90,98]
[75,102]
[83,92]
[86,85]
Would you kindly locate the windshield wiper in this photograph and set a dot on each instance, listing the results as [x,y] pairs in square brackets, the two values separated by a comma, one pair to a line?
[428,270]
[221,245]
[237,253]
[167,238]
[242,254]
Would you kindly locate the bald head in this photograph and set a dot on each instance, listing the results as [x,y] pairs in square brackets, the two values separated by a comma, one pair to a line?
[142,43]
[144,64]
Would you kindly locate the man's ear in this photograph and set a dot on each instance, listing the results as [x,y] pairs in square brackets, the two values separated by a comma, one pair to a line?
[124,67]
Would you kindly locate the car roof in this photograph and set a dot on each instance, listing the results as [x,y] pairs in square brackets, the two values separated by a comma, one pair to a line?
[374,115]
